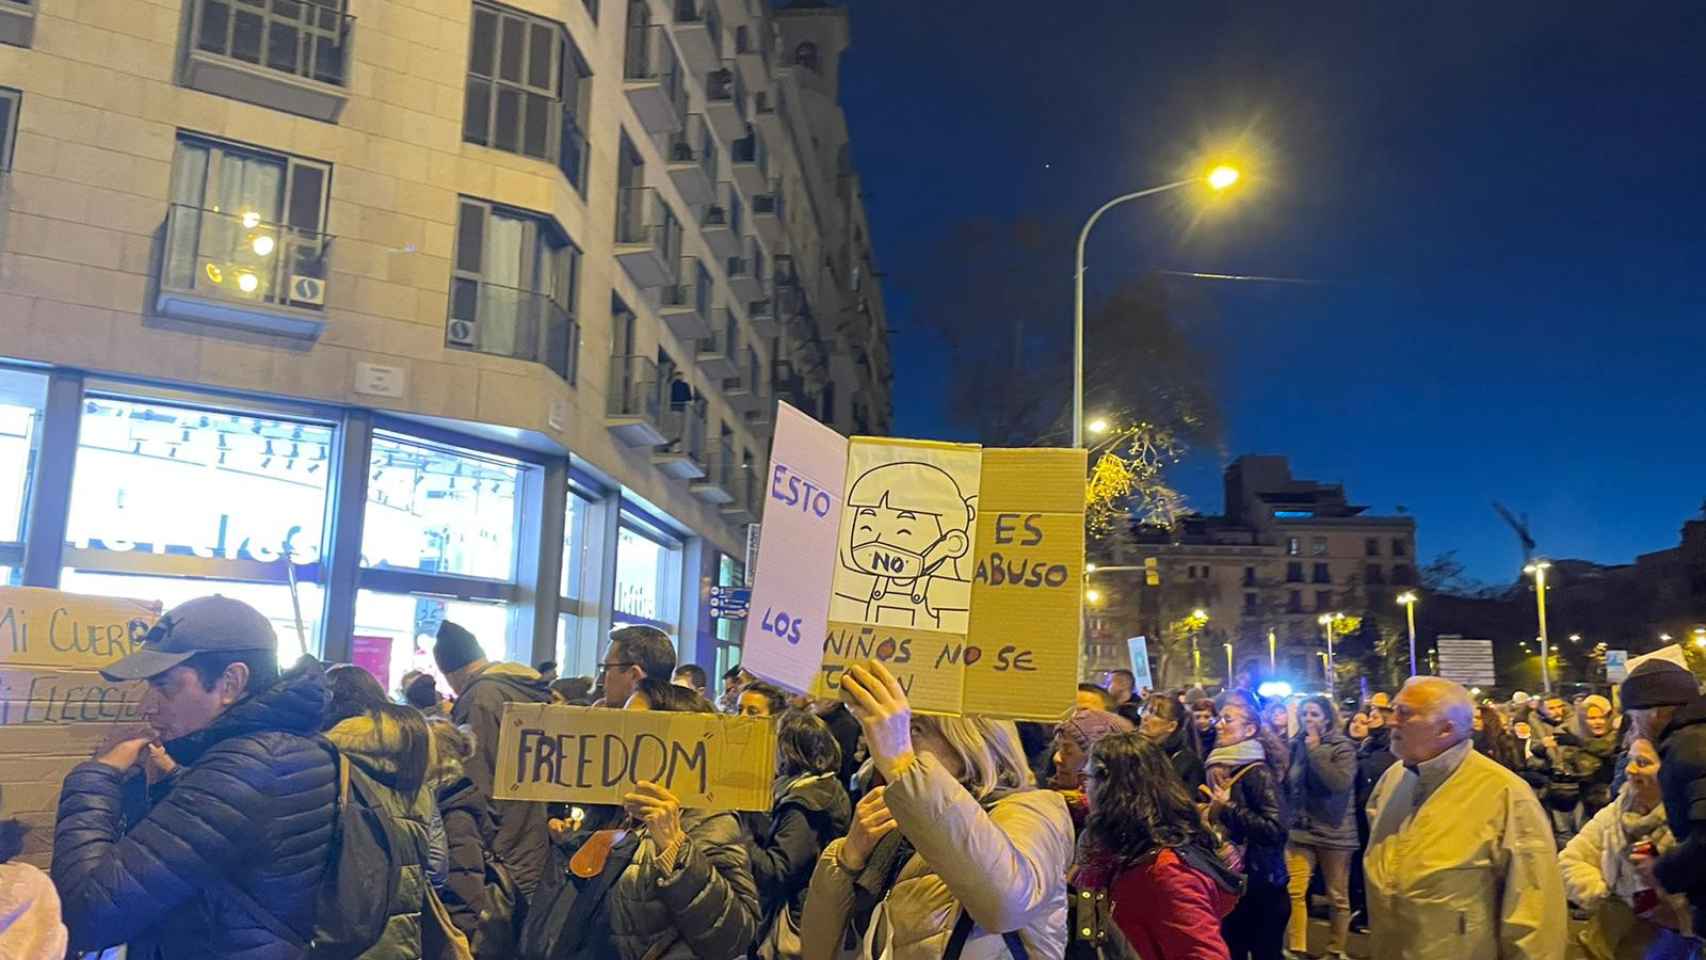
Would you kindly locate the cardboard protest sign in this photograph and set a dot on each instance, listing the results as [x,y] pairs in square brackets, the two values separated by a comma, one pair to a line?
[789,609]
[593,755]
[1027,588]
[55,709]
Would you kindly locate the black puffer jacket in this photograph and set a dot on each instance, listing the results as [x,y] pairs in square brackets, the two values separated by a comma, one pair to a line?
[252,807]
[810,811]
[522,839]
[705,909]
[1682,779]
[468,828]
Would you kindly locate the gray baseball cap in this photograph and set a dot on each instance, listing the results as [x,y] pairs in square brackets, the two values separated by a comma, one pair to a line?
[203,625]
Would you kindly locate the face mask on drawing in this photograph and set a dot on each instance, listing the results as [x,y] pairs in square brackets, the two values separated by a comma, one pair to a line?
[886,560]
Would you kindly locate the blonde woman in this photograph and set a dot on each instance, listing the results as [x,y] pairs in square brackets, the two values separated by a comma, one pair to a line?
[958,845]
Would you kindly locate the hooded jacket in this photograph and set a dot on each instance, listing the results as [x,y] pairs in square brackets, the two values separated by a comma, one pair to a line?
[1321,788]
[1005,867]
[467,834]
[1461,865]
[252,807]
[810,811]
[373,744]
[704,909]
[1682,778]
[521,834]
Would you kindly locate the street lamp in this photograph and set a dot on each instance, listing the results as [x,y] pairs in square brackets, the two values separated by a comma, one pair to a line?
[1093,596]
[1273,650]
[1408,599]
[1326,620]
[1538,569]
[1199,616]
[1228,647]
[1220,178]
[1097,426]
[1700,636]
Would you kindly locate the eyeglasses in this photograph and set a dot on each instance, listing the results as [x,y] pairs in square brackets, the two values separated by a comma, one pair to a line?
[607,667]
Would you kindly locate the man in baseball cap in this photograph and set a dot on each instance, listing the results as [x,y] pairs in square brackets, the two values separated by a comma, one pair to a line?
[245,805]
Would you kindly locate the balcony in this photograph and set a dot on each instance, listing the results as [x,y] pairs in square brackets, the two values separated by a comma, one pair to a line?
[751,165]
[765,115]
[725,103]
[685,306]
[718,483]
[762,315]
[651,76]
[752,56]
[745,392]
[720,222]
[236,270]
[743,505]
[692,161]
[506,322]
[768,217]
[698,32]
[648,237]
[17,22]
[291,56]
[717,349]
[746,273]
[635,409]
[682,454]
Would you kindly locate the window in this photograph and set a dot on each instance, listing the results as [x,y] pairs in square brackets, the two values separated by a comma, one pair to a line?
[1403,575]
[1375,574]
[22,399]
[246,224]
[10,102]
[805,55]
[1291,547]
[1399,547]
[133,532]
[1249,576]
[1252,602]
[437,509]
[1323,601]
[1371,546]
[577,614]
[1294,572]
[306,38]
[527,90]
[648,578]
[1317,546]
[1294,601]
[1323,573]
[512,291]
[395,632]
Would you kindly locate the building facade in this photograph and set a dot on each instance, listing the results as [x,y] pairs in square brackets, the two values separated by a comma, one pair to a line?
[1284,553]
[375,313]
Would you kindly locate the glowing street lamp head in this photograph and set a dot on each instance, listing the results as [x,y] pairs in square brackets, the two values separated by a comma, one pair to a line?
[1089,568]
[1094,596]
[1097,426]
[1199,614]
[1538,566]
[1406,598]
[1222,177]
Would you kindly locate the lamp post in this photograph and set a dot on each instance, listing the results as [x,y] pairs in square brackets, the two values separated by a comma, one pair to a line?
[1217,179]
[1408,599]
[1538,569]
[1228,647]
[1273,650]
[1326,620]
[1199,616]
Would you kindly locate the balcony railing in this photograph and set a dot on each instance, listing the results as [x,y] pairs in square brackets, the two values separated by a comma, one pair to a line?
[651,72]
[634,402]
[686,304]
[699,31]
[307,38]
[751,163]
[725,102]
[507,322]
[692,158]
[237,269]
[648,236]
[682,453]
[718,484]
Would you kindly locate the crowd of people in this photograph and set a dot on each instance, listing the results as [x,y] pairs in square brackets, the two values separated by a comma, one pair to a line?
[268,813]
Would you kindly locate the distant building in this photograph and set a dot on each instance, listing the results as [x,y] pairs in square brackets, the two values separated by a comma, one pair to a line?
[1284,552]
[1675,581]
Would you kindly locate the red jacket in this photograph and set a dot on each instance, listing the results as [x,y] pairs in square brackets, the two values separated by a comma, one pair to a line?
[1170,911]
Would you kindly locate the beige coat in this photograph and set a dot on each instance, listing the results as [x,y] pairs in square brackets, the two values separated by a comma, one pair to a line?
[1006,867]
[1461,865]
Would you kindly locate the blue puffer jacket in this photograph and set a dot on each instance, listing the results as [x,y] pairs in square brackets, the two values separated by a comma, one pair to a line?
[251,806]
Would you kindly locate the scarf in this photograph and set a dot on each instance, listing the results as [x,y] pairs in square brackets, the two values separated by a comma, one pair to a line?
[1237,754]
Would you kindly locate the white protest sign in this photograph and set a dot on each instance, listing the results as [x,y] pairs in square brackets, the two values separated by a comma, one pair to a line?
[1139,650]
[789,612]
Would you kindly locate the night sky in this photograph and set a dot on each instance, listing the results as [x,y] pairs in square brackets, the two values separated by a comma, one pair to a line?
[1497,211]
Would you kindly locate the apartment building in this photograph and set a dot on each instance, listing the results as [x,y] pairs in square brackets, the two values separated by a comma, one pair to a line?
[378,312]
[1285,552]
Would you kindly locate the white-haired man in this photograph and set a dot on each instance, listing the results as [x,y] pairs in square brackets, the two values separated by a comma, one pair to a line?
[1461,863]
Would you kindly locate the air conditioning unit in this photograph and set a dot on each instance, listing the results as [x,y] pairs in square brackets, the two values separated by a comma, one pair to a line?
[461,333]
[307,290]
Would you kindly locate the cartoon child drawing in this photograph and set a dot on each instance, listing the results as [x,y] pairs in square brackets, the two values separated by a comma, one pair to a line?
[910,525]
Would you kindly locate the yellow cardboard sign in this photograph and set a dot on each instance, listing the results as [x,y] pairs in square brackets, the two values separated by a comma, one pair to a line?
[69,631]
[928,664]
[593,755]
[1027,585]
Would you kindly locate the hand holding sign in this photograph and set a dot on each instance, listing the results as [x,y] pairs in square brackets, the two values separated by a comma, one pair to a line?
[871,822]
[881,707]
[658,809]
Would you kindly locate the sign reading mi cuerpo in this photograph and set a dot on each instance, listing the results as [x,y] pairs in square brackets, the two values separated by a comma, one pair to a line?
[55,709]
[588,755]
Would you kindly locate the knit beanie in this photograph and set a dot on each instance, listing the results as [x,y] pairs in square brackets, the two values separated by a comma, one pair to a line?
[1659,683]
[1084,726]
[456,647]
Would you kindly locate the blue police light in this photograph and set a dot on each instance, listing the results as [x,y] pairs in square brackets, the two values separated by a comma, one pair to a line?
[1274,689]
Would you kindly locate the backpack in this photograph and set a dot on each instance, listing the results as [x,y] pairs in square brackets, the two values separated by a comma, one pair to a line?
[353,903]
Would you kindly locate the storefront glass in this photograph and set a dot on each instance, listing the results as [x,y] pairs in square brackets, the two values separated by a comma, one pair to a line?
[271,599]
[647,575]
[439,510]
[394,633]
[577,632]
[22,396]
